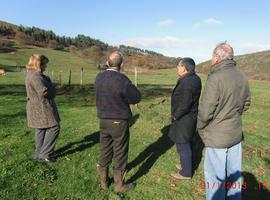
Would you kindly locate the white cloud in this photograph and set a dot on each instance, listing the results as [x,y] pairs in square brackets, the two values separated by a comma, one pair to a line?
[207,22]
[250,47]
[159,42]
[166,22]
[213,21]
[198,49]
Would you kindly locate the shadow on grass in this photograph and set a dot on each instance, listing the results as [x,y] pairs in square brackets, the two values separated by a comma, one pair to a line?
[12,68]
[148,91]
[197,151]
[251,187]
[85,143]
[267,161]
[12,116]
[254,188]
[133,120]
[12,90]
[9,119]
[150,154]
[7,50]
[76,96]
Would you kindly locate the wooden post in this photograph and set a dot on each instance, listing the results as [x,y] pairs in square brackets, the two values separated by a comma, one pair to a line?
[69,79]
[135,75]
[60,78]
[52,76]
[81,77]
[136,82]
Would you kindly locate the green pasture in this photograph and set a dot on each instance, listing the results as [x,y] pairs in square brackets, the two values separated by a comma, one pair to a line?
[152,156]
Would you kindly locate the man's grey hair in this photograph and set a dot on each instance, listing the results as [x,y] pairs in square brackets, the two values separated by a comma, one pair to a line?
[224,50]
[115,59]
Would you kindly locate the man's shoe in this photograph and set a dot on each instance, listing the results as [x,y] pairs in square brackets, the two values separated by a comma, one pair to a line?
[178,166]
[178,176]
[119,185]
[103,174]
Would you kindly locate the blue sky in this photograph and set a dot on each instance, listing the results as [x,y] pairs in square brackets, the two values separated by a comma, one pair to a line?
[174,28]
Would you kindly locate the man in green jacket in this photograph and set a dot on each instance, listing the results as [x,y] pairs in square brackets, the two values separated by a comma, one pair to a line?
[226,96]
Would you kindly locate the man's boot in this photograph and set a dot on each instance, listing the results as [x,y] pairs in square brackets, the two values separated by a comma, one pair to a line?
[119,186]
[103,174]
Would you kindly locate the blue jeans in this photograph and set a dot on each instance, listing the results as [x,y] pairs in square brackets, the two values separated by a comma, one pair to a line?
[222,171]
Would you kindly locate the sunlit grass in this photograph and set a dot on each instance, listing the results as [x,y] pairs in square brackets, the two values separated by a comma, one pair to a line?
[74,175]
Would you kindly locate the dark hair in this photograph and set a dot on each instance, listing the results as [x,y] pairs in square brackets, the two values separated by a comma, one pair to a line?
[188,63]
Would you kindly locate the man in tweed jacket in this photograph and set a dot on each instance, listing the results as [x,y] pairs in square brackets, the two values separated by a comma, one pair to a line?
[114,93]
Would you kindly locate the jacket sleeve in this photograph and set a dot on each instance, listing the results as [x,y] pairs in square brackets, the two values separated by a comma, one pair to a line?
[209,102]
[44,87]
[183,94]
[38,83]
[133,95]
[51,89]
[247,100]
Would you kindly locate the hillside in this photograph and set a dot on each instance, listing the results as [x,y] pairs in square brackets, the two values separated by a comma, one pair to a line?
[6,24]
[13,37]
[254,65]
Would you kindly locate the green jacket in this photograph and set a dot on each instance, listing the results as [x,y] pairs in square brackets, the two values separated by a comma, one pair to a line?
[226,96]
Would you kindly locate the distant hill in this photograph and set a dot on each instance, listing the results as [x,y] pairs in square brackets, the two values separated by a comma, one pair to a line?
[6,24]
[13,37]
[254,65]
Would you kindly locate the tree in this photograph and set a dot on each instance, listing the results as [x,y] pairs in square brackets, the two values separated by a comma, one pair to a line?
[95,53]
[53,44]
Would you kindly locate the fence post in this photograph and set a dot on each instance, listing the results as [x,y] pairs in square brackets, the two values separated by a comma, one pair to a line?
[136,82]
[81,77]
[52,77]
[69,79]
[60,77]
[135,75]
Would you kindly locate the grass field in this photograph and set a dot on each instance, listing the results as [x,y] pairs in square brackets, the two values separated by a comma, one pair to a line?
[152,156]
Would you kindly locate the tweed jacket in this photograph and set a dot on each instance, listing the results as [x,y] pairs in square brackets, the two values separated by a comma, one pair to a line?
[40,107]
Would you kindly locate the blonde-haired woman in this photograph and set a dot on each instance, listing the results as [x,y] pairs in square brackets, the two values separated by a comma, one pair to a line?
[41,109]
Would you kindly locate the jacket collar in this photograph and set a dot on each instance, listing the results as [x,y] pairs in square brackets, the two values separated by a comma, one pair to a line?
[222,65]
[34,71]
[186,75]
[112,69]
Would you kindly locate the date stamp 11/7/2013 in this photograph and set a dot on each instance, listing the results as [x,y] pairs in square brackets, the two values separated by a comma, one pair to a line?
[231,185]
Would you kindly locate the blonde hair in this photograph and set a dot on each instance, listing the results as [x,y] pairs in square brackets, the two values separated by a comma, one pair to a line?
[36,61]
